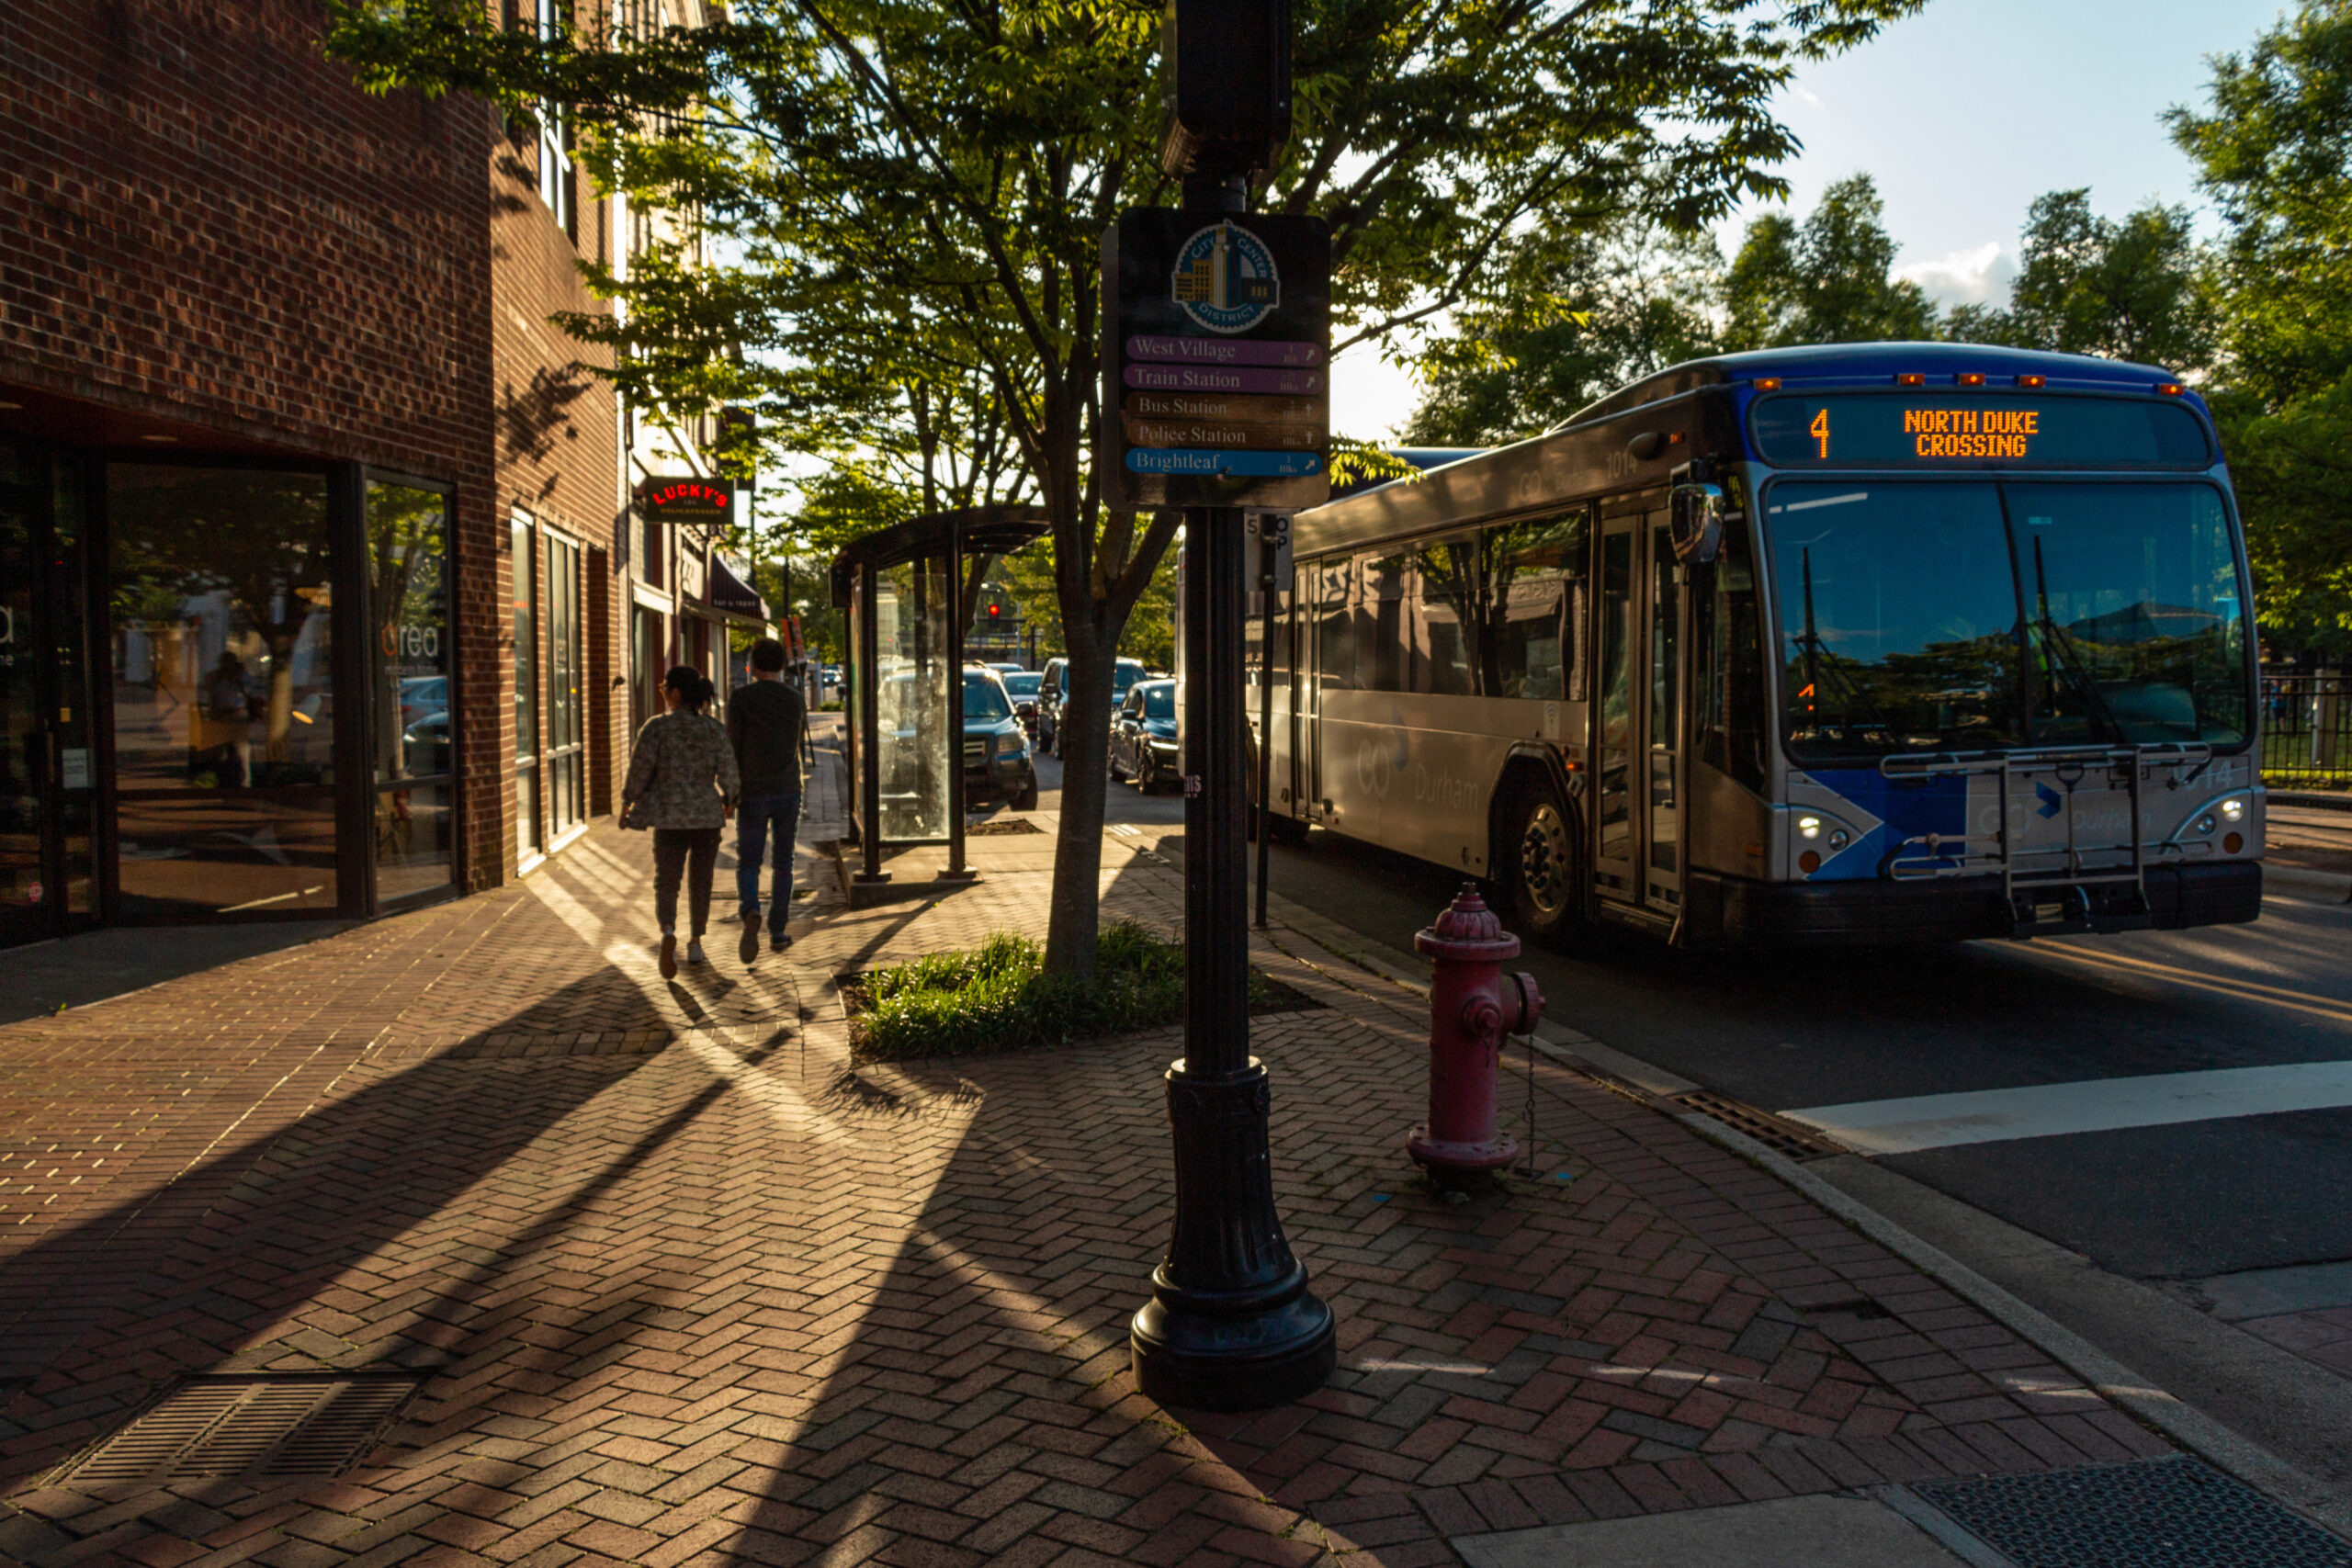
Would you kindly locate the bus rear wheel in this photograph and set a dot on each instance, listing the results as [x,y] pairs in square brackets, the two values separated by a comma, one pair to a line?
[1546,869]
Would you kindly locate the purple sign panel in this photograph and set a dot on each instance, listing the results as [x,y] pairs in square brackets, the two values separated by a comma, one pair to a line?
[1226,351]
[1217,378]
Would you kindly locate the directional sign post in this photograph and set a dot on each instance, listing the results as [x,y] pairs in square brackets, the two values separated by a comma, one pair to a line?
[1216,397]
[1217,342]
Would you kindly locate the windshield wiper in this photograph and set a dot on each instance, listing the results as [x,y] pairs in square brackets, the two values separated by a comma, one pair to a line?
[1814,649]
[2069,660]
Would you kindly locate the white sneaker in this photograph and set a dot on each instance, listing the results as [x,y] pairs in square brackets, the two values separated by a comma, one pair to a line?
[694,953]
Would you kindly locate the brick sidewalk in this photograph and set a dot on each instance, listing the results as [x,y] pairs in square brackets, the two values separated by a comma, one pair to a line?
[686,1286]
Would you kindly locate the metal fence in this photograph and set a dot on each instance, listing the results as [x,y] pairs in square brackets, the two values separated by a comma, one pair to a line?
[2307,731]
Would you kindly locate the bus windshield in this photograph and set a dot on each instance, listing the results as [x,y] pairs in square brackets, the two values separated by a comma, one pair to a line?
[1966,615]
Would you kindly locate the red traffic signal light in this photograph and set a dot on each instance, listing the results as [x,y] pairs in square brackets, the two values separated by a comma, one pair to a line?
[995,612]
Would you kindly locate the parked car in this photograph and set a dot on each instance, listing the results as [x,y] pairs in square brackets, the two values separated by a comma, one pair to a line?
[1048,704]
[997,762]
[1055,695]
[1020,685]
[1143,736]
[1005,667]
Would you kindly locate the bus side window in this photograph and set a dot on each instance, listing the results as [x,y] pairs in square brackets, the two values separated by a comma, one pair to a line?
[1729,632]
[1445,617]
[1334,649]
[1382,618]
[1533,598]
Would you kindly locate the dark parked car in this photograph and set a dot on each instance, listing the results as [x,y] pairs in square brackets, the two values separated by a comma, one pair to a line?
[1020,685]
[1054,696]
[1049,687]
[1143,736]
[998,763]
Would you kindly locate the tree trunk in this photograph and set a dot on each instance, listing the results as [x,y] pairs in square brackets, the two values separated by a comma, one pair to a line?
[1075,913]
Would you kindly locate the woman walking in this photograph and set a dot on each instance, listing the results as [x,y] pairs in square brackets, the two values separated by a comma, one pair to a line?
[683,784]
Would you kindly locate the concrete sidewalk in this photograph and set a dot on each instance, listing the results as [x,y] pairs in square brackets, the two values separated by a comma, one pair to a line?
[679,1281]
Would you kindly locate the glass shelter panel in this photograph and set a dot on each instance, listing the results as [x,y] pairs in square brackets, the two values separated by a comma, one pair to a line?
[910,642]
[223,690]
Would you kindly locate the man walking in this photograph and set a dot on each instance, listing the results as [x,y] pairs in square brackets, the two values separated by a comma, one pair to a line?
[769,725]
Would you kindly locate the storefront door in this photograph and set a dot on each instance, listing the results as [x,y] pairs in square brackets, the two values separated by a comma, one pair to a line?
[46,884]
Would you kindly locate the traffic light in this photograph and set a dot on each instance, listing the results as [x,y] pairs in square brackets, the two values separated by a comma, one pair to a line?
[996,613]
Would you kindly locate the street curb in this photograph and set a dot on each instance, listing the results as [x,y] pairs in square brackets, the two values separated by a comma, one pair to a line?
[2110,1379]
[2328,886]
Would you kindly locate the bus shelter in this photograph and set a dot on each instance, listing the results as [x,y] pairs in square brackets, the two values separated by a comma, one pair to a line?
[910,605]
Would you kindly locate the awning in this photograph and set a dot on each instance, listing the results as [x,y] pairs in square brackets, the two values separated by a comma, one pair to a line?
[726,594]
[979,530]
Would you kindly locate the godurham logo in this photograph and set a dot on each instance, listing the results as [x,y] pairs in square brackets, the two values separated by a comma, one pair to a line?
[1225,279]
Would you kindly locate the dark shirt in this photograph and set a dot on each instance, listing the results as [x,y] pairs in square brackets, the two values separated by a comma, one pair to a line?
[768,723]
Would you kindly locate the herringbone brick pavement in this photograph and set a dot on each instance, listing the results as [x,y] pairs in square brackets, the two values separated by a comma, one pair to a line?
[687,1285]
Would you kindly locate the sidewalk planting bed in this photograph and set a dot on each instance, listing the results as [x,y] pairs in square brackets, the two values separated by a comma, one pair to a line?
[999,997]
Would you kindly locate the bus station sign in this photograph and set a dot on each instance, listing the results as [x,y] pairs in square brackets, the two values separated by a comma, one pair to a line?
[1216,360]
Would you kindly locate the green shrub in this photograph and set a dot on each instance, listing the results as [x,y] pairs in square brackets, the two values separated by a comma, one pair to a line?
[999,999]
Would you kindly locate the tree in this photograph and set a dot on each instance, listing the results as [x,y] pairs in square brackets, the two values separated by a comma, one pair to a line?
[1828,279]
[2140,290]
[1604,308]
[914,195]
[2274,152]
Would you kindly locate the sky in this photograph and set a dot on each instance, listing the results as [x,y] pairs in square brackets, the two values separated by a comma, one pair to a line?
[1963,114]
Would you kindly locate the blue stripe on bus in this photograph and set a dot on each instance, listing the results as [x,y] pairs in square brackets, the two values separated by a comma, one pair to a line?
[1907,808]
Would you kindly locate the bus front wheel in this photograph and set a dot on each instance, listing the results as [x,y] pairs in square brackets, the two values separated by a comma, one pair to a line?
[1545,881]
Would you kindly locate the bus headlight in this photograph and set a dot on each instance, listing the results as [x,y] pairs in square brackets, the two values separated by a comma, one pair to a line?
[2234,810]
[1808,827]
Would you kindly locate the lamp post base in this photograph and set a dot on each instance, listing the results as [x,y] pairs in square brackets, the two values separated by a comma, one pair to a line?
[1231,1325]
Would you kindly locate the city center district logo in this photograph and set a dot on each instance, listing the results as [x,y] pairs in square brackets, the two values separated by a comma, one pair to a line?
[1225,279]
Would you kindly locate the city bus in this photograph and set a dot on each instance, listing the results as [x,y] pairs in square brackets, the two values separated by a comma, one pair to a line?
[1870,643]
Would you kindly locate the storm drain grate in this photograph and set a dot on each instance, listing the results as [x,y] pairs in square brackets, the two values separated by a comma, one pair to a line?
[1778,1134]
[262,1428]
[2166,1513]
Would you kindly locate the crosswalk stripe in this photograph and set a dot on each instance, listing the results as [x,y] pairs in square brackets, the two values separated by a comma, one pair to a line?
[2098,1105]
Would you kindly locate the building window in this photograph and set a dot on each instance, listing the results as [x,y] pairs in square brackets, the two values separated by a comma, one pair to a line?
[527,838]
[564,763]
[414,718]
[555,134]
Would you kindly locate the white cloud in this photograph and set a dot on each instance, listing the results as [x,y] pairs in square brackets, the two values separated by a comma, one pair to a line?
[1371,399]
[1978,277]
[1807,95]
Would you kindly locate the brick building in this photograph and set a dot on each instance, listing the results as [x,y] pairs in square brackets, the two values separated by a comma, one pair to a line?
[314,536]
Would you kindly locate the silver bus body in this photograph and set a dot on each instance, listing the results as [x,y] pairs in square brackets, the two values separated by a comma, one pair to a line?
[1682,817]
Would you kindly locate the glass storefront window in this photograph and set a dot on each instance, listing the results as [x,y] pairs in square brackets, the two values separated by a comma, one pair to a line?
[223,689]
[414,717]
[526,689]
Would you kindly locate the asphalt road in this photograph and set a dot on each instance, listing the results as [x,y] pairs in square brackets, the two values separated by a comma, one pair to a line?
[1789,1031]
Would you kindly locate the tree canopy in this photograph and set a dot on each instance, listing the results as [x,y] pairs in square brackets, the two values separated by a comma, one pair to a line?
[2274,152]
[910,198]
[1828,279]
[2137,288]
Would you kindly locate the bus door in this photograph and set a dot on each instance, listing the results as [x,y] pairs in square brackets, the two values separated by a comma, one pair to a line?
[1661,714]
[1614,699]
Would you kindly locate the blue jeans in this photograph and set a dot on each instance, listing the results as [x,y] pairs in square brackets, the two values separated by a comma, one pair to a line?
[755,816]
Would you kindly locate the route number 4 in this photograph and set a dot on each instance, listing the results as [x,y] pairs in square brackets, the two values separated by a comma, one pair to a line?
[1819,430]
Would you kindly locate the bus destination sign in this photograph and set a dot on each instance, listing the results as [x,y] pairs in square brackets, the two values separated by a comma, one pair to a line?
[1215,359]
[1979,429]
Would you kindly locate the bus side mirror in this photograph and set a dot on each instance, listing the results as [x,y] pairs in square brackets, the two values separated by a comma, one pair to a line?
[1695,522]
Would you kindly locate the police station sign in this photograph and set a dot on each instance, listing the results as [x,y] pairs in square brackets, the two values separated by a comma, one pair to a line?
[1215,356]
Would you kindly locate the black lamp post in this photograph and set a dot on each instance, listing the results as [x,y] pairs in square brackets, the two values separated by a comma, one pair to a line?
[1231,1324]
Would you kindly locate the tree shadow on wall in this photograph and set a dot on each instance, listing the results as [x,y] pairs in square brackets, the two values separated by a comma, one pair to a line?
[531,421]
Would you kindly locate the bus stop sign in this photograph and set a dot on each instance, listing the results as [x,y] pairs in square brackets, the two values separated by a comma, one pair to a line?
[1217,347]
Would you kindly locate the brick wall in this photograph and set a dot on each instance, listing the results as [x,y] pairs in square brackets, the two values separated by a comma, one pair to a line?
[203,224]
[556,421]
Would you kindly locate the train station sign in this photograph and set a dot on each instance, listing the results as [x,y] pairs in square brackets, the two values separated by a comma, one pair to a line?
[1216,360]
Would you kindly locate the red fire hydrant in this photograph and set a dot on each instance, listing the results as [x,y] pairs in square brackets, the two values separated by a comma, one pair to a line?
[1473,1004]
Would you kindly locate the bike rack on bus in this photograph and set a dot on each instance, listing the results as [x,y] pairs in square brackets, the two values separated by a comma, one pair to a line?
[2023,875]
